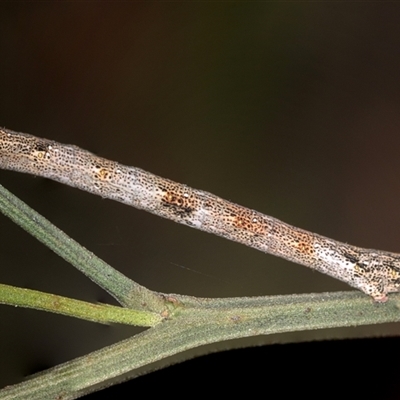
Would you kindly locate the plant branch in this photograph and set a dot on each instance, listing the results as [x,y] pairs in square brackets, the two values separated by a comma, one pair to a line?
[188,322]
[126,291]
[101,313]
[200,322]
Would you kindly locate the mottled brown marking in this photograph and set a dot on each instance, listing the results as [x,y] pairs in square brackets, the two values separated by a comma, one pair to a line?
[103,174]
[177,200]
[180,200]
[304,244]
[248,221]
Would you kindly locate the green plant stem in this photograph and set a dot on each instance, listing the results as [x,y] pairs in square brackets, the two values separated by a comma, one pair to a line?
[200,322]
[188,322]
[123,289]
[102,313]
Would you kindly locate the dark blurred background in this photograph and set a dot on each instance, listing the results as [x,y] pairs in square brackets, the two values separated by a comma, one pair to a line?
[291,109]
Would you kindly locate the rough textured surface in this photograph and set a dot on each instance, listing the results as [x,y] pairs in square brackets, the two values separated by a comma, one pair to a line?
[376,273]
